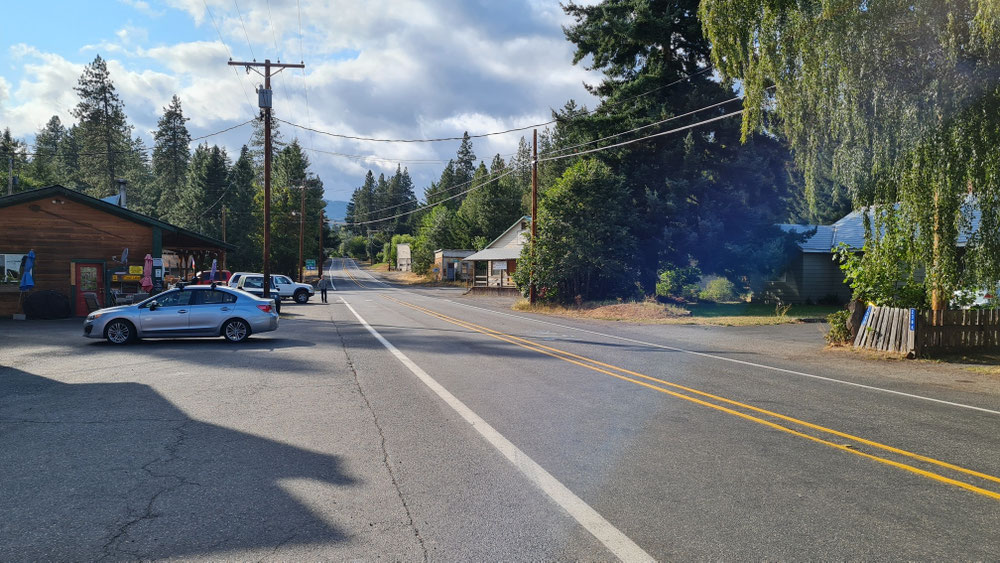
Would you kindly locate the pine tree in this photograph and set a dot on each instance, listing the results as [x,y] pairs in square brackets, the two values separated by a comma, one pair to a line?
[69,159]
[171,157]
[45,168]
[12,148]
[199,202]
[242,224]
[104,134]
[142,195]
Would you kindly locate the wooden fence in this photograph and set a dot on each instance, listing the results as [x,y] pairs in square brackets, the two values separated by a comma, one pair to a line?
[913,332]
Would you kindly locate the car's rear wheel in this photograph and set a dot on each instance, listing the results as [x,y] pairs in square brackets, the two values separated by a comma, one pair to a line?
[236,330]
[119,332]
[301,296]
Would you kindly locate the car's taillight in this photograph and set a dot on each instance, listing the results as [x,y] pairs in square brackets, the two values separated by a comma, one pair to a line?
[988,296]
[265,308]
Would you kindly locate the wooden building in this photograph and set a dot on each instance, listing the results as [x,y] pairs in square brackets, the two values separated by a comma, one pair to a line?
[79,241]
[494,266]
[452,265]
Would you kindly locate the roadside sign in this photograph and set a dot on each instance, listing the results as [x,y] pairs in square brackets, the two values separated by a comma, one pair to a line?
[310,264]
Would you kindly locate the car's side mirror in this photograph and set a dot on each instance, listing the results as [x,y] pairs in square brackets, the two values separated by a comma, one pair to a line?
[153,305]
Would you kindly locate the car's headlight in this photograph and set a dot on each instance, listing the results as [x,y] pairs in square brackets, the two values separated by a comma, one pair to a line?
[94,316]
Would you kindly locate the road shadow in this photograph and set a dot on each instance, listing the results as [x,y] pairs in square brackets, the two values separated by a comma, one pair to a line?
[114,470]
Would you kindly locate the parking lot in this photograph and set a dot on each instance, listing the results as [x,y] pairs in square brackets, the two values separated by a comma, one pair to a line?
[190,448]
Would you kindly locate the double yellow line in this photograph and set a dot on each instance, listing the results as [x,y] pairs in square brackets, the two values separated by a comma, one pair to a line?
[729,406]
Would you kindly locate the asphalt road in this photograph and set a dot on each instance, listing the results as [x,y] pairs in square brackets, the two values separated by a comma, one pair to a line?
[406,424]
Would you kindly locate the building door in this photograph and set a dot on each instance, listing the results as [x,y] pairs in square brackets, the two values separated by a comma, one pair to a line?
[89,280]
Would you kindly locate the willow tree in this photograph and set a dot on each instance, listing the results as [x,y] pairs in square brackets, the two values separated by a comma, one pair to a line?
[901,98]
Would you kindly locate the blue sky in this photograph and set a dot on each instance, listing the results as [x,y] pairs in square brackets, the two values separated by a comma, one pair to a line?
[379,68]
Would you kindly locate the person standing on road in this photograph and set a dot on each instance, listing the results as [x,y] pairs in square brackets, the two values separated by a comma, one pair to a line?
[324,284]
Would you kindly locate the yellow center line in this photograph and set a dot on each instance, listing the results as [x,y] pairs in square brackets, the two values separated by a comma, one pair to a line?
[594,365]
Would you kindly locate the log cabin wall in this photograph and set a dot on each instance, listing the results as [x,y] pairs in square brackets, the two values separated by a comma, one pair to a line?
[60,231]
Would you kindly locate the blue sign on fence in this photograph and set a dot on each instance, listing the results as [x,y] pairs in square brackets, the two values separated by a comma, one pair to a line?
[864,320]
[913,320]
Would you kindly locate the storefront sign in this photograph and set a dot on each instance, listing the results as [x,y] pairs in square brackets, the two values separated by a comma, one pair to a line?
[135,270]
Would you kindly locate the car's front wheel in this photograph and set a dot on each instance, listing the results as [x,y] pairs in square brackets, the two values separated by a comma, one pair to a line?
[236,330]
[119,332]
[301,296]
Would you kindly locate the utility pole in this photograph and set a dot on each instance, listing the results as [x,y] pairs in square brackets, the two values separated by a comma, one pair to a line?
[302,230]
[264,102]
[532,292]
[223,235]
[322,258]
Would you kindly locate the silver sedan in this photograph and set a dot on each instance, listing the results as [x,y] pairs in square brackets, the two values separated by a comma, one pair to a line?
[200,310]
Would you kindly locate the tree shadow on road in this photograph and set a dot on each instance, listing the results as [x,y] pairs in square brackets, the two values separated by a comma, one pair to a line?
[115,470]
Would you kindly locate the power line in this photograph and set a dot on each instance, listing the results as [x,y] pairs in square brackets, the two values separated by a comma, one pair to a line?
[129,151]
[376,157]
[661,122]
[448,189]
[662,133]
[494,133]
[245,34]
[356,138]
[559,157]
[223,41]
[237,126]
[429,206]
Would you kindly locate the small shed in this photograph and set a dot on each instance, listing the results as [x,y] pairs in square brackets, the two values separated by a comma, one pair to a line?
[79,242]
[494,266]
[451,265]
[404,263]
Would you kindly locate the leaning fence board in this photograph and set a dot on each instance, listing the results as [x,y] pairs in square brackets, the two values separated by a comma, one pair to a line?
[909,331]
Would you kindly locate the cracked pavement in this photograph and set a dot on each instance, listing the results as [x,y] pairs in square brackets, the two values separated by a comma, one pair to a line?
[275,450]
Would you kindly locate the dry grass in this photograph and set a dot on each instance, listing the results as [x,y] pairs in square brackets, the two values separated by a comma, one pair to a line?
[648,312]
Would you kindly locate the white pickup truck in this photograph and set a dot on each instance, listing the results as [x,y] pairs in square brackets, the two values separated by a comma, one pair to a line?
[283,285]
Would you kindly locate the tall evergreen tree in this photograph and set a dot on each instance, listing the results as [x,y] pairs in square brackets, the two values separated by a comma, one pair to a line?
[695,198]
[242,224]
[105,136]
[170,157]
[15,149]
[45,168]
[442,189]
[142,195]
[199,202]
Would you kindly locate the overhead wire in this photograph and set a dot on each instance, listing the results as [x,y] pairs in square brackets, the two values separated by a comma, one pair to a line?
[602,107]
[223,41]
[437,203]
[557,157]
[243,25]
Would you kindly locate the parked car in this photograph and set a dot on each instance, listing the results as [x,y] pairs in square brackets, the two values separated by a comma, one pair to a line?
[234,280]
[254,285]
[196,310]
[286,288]
[202,278]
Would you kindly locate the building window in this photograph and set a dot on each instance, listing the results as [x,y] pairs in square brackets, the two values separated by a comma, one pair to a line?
[10,268]
[499,268]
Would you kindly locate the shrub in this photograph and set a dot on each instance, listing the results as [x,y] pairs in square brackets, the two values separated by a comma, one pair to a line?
[719,290]
[679,282]
[839,334]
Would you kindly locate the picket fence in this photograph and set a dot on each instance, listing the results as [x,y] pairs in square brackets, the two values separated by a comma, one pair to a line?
[913,332]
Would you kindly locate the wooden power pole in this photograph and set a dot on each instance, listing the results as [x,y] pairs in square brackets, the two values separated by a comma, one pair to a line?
[264,102]
[223,235]
[302,230]
[322,258]
[532,292]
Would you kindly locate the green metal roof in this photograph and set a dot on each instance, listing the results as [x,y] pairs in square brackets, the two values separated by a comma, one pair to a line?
[53,191]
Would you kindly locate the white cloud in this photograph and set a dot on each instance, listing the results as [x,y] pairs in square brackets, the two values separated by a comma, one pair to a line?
[379,68]
[143,7]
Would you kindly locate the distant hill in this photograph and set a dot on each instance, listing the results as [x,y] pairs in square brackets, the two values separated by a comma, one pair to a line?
[336,210]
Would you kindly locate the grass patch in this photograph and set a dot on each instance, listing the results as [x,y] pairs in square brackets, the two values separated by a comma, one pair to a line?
[798,312]
[652,312]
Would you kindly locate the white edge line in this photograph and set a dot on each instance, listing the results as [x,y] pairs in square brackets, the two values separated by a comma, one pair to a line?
[612,538]
[731,360]
[706,355]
